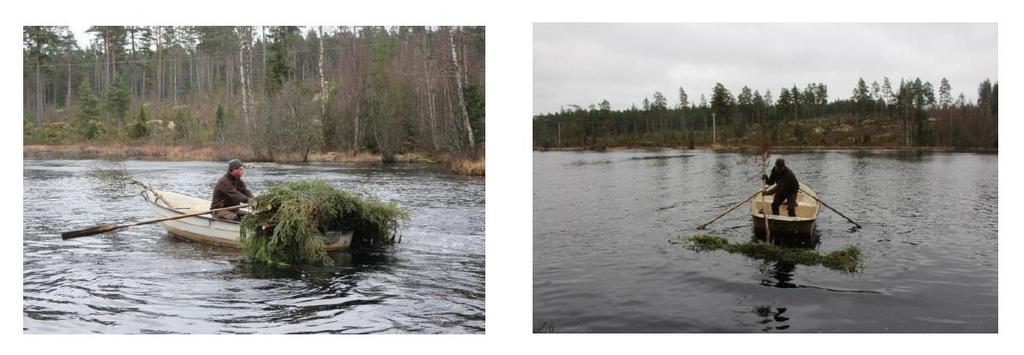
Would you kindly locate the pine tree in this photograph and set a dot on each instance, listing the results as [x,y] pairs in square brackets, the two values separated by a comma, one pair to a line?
[929,94]
[722,101]
[684,99]
[861,96]
[745,101]
[660,103]
[785,103]
[945,97]
[279,70]
[985,94]
[887,94]
[995,98]
[38,42]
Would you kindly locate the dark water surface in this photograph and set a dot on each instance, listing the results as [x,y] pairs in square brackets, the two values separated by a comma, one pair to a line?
[602,262]
[142,280]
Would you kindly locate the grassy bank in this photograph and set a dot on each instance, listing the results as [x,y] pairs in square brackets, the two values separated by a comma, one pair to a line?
[212,152]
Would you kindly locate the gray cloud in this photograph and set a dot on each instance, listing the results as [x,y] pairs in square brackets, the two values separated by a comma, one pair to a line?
[583,64]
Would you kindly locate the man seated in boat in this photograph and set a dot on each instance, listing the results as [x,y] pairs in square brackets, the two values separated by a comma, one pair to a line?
[786,187]
[231,191]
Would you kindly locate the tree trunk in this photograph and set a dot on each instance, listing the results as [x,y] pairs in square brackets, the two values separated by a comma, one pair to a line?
[67,99]
[462,99]
[39,93]
[106,51]
[431,109]
[355,130]
[323,79]
[263,69]
[106,76]
[175,77]
[248,64]
[244,83]
[228,81]
[159,66]
[191,76]
[448,100]
[358,101]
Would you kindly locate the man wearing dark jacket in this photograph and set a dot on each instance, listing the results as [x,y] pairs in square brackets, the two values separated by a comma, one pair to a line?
[786,187]
[231,191]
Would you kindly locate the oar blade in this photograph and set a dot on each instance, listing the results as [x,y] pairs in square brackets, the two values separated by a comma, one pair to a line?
[88,231]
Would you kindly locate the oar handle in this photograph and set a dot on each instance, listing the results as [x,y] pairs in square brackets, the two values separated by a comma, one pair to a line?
[830,207]
[112,227]
[702,226]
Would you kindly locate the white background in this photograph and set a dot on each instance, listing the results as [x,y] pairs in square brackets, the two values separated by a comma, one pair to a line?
[509,170]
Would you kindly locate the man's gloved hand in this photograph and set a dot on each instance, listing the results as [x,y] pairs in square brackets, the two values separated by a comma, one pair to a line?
[764,178]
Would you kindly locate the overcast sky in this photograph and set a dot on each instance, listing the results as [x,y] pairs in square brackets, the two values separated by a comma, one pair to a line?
[583,64]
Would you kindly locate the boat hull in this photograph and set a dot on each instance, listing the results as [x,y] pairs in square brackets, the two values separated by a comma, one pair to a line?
[783,229]
[784,226]
[208,230]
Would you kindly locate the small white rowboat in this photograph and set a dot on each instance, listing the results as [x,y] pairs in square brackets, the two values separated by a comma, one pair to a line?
[782,225]
[209,230]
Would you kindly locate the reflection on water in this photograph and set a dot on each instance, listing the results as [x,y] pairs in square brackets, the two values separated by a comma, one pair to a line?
[141,280]
[602,264]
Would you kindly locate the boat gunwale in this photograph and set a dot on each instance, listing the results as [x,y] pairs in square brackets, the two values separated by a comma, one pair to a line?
[203,216]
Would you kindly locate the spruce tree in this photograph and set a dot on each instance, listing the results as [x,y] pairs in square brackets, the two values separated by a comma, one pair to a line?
[119,99]
[140,128]
[88,111]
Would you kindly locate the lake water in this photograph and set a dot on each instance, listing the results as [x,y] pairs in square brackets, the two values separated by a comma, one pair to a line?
[602,261]
[142,280]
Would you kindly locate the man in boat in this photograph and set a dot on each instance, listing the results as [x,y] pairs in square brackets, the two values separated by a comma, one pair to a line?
[786,187]
[231,191]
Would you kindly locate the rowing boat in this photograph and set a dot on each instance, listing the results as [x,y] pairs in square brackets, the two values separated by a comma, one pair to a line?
[207,229]
[782,225]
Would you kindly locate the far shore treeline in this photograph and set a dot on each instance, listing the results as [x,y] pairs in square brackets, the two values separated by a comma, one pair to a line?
[907,113]
[280,92]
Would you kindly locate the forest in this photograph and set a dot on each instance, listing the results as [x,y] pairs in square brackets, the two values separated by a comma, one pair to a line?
[278,92]
[903,114]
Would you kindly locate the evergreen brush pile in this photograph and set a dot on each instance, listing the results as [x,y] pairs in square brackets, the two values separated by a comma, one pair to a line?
[848,259]
[290,221]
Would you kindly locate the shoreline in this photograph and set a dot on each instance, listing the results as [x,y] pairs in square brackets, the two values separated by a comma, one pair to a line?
[720,147]
[458,165]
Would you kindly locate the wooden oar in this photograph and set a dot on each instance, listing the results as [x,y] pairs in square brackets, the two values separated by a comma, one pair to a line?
[830,207]
[730,210]
[112,227]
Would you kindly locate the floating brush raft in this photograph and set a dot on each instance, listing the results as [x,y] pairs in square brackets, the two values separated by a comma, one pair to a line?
[290,220]
[847,260]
